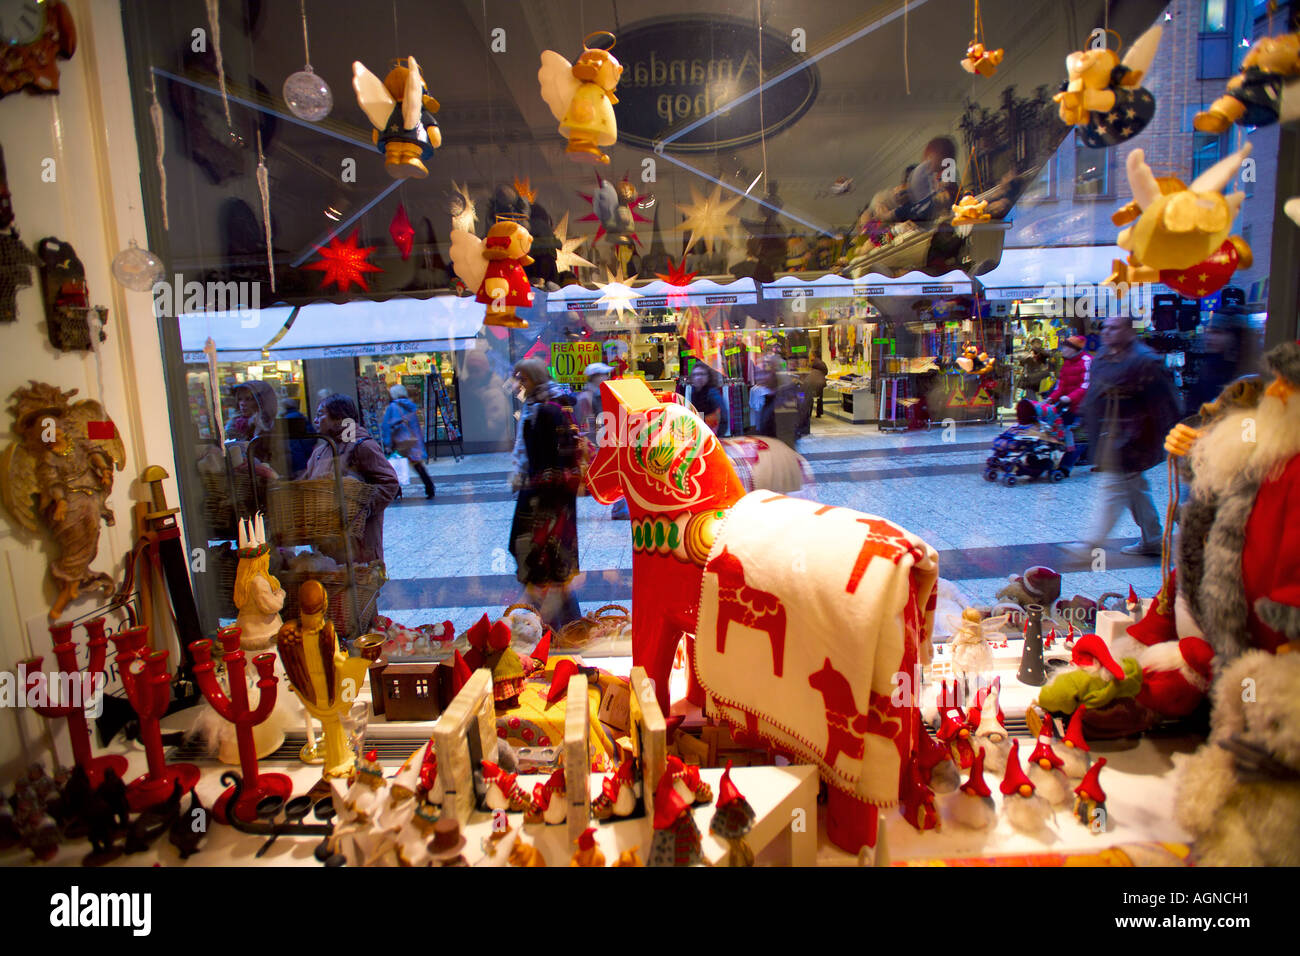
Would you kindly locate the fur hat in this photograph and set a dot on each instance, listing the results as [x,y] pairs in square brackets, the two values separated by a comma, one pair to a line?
[1284,361]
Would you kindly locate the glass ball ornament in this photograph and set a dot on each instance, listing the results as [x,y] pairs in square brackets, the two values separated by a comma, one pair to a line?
[308,95]
[137,269]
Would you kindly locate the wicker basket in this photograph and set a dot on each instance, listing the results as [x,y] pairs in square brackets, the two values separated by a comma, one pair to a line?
[302,512]
[370,579]
[606,621]
[218,507]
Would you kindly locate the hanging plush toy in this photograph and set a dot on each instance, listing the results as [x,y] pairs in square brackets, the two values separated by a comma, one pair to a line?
[969,211]
[1181,235]
[401,110]
[1102,95]
[974,362]
[978,58]
[1254,97]
[495,267]
[581,96]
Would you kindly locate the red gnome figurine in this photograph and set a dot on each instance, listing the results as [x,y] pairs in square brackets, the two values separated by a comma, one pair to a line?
[1090,799]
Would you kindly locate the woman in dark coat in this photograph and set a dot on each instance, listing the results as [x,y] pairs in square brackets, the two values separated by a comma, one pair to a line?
[544,533]
[706,396]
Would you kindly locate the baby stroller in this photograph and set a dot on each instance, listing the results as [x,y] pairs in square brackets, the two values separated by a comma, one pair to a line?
[1031,448]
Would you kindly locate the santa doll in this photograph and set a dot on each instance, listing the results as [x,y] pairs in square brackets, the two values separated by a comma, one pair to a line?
[1096,679]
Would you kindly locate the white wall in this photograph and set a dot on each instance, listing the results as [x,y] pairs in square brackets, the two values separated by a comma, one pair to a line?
[95,204]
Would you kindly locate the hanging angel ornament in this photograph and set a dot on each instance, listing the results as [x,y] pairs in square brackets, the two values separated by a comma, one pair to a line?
[581,96]
[1254,96]
[495,267]
[59,473]
[1102,96]
[401,111]
[979,59]
[1181,233]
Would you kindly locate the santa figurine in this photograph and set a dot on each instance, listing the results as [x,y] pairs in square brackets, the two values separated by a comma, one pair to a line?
[1090,799]
[548,804]
[1045,770]
[1024,809]
[503,790]
[733,820]
[1238,554]
[588,852]
[1074,753]
[972,805]
[618,793]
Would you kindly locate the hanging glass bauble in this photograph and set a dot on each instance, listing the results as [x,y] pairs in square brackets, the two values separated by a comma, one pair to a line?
[308,95]
[137,269]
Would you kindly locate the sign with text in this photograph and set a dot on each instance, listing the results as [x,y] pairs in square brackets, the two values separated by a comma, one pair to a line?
[569,360]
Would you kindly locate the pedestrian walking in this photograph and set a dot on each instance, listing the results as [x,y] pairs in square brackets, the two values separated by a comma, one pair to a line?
[400,432]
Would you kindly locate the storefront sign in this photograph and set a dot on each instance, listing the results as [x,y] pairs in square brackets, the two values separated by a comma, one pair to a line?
[680,70]
[569,360]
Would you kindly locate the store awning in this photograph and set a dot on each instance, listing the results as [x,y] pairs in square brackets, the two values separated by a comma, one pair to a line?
[655,295]
[841,287]
[1049,271]
[330,330]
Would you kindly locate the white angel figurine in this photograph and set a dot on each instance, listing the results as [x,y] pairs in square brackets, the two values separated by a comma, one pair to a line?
[258,594]
[581,96]
[401,112]
[971,655]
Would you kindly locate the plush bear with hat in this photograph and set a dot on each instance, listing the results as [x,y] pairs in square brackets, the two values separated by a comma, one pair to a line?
[1038,585]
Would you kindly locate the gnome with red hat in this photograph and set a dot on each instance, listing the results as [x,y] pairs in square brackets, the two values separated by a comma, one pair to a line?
[1074,753]
[956,735]
[676,839]
[1045,770]
[588,853]
[733,820]
[935,762]
[1024,809]
[548,801]
[1096,679]
[990,730]
[503,790]
[619,793]
[972,805]
[1090,799]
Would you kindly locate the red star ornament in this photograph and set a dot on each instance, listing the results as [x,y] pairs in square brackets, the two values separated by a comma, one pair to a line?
[343,263]
[403,232]
[1209,276]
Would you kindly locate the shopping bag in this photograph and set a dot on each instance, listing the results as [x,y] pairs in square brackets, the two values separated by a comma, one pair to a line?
[402,467]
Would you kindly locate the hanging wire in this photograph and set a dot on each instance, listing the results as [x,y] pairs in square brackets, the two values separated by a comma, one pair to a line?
[306,50]
[762,122]
[907,76]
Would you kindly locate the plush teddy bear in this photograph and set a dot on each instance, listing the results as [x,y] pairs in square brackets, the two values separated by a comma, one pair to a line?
[1239,794]
[1038,585]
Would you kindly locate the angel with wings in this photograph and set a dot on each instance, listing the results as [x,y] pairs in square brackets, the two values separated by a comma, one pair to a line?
[971,655]
[495,268]
[401,111]
[57,475]
[581,96]
[1102,95]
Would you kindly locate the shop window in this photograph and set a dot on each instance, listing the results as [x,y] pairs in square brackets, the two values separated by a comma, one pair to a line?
[1214,16]
[1091,171]
[1207,149]
[422,687]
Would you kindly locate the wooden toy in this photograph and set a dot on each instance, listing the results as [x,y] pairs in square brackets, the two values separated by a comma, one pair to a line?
[581,97]
[979,59]
[401,111]
[1102,95]
[1181,233]
[1254,96]
[465,737]
[409,690]
[494,266]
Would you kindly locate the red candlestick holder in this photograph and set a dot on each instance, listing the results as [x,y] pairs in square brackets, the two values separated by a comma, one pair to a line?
[149,691]
[74,710]
[234,708]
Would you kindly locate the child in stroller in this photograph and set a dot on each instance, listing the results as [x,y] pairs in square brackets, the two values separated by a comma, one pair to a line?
[1034,446]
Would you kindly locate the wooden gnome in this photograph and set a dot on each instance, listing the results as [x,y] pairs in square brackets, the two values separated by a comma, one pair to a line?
[1075,753]
[581,96]
[494,266]
[732,821]
[1045,769]
[618,793]
[1254,96]
[676,839]
[1024,809]
[401,111]
[1090,799]
[503,790]
[588,852]
[548,805]
[1102,95]
[972,805]
[1181,233]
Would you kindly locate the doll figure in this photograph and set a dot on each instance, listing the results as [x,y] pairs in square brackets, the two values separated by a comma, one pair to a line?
[401,111]
[495,267]
[1254,96]
[980,60]
[258,594]
[1102,95]
[581,96]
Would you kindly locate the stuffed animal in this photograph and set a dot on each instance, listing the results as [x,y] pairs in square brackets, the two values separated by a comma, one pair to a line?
[1254,97]
[1239,794]
[1038,585]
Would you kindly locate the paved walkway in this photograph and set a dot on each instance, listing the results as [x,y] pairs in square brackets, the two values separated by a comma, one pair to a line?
[447,559]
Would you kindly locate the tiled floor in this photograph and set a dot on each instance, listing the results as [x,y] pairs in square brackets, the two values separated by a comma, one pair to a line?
[448,560]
